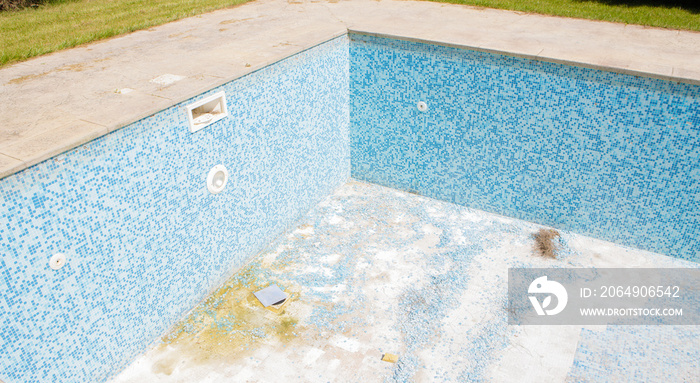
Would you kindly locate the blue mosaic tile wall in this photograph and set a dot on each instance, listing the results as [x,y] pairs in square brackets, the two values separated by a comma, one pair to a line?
[144,238]
[598,153]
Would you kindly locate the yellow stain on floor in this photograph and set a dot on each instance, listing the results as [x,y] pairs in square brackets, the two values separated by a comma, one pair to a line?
[229,324]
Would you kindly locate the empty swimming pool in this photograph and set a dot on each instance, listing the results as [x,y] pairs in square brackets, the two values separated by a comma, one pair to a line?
[590,152]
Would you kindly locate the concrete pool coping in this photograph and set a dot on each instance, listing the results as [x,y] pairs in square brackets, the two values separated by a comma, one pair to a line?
[101,87]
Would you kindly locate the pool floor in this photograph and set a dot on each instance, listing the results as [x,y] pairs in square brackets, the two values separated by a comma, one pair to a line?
[373,270]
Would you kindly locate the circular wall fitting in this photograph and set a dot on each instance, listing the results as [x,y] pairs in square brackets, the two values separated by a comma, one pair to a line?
[57,261]
[217,179]
[422,106]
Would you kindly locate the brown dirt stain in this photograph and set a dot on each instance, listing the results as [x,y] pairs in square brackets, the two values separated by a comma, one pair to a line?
[544,242]
[230,323]
[22,79]
[72,67]
[233,21]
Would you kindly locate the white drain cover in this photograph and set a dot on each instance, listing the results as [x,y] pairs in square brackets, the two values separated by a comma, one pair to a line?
[270,295]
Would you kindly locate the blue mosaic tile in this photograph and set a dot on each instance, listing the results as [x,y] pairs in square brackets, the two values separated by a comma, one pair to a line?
[144,238]
[637,354]
[602,154]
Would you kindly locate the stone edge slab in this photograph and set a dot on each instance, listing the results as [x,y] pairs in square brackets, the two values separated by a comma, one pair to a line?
[10,165]
[17,165]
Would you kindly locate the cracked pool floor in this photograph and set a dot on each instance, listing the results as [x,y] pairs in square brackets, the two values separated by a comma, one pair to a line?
[373,270]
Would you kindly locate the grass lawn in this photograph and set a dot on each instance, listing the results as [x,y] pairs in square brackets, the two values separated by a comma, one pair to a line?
[675,14]
[66,23]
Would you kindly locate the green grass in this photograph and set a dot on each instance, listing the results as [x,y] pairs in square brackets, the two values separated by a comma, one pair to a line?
[674,14]
[62,24]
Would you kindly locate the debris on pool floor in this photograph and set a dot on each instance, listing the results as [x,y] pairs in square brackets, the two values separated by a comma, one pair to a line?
[372,271]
